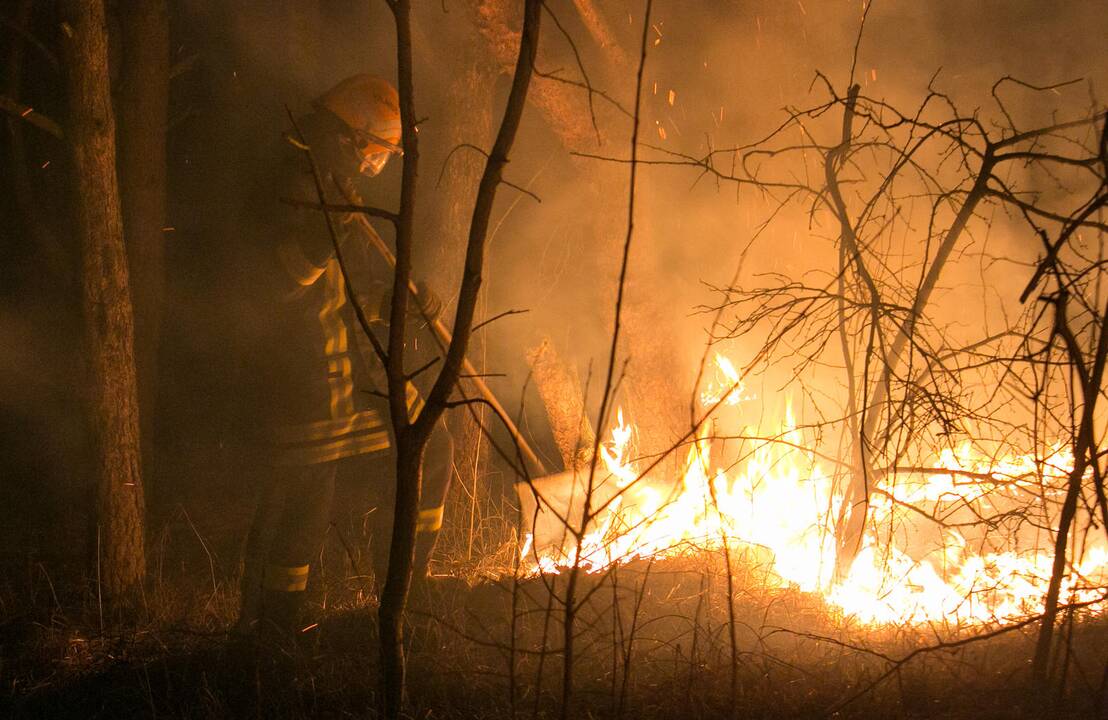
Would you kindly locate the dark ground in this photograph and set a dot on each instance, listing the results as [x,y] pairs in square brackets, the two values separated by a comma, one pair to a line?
[175,659]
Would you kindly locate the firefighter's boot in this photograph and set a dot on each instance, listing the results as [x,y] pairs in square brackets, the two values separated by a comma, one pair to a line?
[282,603]
[281,612]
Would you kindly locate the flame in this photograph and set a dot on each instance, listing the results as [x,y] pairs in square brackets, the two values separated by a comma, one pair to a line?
[726,387]
[776,502]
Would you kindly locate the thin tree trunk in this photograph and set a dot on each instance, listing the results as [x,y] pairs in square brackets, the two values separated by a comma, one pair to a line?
[856,498]
[106,300]
[569,629]
[1085,450]
[570,600]
[409,446]
[412,436]
[1041,661]
[398,580]
[143,111]
[565,408]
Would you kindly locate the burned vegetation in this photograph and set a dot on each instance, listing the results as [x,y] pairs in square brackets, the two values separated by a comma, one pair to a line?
[534,359]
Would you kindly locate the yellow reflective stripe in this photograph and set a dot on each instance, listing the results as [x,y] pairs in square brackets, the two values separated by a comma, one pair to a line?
[327,429]
[330,318]
[335,341]
[341,385]
[294,142]
[298,266]
[413,400]
[282,578]
[430,519]
[336,450]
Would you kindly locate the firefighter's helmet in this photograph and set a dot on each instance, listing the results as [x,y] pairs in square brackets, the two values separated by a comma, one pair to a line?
[370,107]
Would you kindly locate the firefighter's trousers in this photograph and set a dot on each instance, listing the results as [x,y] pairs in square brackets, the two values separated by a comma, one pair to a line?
[290,522]
[293,512]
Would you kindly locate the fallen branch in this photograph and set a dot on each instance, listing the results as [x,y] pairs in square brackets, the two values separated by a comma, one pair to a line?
[29,114]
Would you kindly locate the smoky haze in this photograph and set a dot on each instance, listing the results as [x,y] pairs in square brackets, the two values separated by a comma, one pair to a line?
[718,75]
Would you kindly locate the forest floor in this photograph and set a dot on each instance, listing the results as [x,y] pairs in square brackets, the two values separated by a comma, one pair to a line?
[653,640]
[176,658]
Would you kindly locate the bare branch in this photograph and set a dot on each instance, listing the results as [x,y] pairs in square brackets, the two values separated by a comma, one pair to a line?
[496,317]
[30,115]
[341,208]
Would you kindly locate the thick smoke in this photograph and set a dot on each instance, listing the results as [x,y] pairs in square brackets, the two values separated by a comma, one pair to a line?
[718,75]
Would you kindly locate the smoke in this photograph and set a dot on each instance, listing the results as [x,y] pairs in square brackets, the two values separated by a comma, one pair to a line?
[42,423]
[718,74]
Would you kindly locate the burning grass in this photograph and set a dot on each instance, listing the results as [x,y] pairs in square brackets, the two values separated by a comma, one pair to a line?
[713,595]
[959,537]
[684,611]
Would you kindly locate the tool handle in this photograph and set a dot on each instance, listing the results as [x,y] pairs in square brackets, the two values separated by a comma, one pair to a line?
[443,338]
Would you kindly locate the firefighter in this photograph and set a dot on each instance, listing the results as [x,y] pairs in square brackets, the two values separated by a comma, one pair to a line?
[319,387]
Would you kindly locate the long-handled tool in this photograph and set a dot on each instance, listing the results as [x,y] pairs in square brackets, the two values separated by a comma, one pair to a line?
[443,338]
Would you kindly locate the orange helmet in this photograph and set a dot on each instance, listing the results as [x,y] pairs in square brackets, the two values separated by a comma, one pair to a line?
[370,107]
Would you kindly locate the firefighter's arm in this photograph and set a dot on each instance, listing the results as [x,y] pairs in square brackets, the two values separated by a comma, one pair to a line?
[371,276]
[305,246]
[425,304]
[368,277]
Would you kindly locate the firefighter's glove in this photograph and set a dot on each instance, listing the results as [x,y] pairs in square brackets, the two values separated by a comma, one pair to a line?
[430,304]
[423,304]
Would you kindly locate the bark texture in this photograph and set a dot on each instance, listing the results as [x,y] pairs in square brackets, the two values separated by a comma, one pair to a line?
[560,391]
[109,324]
[143,102]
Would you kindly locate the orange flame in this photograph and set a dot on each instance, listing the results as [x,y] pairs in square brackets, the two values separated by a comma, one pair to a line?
[777,501]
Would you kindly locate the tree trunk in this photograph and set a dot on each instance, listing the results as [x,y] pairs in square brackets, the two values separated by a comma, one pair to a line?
[1040,663]
[1085,451]
[398,581]
[109,325]
[850,531]
[143,109]
[411,437]
[409,444]
[560,391]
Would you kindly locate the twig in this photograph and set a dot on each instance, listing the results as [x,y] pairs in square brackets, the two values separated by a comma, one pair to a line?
[606,396]
[211,562]
[341,208]
[496,317]
[423,368]
[30,115]
[895,664]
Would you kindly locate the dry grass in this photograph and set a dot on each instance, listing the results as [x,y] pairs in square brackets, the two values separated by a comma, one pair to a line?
[173,657]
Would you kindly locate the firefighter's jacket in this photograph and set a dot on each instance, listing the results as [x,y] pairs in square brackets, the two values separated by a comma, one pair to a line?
[318,394]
